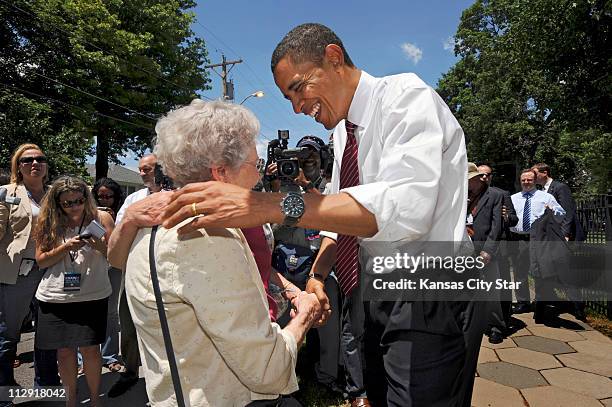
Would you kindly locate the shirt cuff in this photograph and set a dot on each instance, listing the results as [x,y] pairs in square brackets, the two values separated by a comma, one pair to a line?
[331,235]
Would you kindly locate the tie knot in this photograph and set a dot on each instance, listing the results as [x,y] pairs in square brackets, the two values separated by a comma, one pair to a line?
[527,195]
[350,127]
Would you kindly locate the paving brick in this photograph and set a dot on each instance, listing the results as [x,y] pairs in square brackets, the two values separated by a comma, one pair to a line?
[599,349]
[521,332]
[487,393]
[606,402]
[595,336]
[554,396]
[539,344]
[526,318]
[555,333]
[528,358]
[507,343]
[487,355]
[570,317]
[587,362]
[585,383]
[511,375]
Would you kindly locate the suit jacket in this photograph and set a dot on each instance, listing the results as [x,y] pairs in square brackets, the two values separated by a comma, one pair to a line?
[549,252]
[15,228]
[488,224]
[570,226]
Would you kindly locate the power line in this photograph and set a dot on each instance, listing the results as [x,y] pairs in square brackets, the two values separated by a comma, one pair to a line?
[97,97]
[23,91]
[101,49]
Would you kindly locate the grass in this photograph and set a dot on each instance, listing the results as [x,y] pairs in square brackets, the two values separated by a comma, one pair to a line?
[600,323]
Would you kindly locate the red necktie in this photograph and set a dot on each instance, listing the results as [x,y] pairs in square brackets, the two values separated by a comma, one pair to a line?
[347,257]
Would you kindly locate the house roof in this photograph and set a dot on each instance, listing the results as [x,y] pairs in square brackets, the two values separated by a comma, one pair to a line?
[119,173]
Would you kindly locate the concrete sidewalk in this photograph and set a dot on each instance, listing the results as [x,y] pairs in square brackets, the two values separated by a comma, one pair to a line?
[540,366]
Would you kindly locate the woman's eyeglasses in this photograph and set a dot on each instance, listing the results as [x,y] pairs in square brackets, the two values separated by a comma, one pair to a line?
[101,196]
[70,204]
[41,159]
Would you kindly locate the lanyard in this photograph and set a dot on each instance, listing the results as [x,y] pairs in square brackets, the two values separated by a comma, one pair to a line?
[73,258]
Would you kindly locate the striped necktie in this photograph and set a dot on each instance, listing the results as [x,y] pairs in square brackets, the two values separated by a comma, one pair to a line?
[527,212]
[347,257]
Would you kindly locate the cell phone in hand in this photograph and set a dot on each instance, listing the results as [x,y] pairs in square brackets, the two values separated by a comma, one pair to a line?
[94,229]
[84,236]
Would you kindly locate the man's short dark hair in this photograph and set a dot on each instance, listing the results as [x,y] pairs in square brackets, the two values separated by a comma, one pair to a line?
[541,167]
[306,43]
[528,170]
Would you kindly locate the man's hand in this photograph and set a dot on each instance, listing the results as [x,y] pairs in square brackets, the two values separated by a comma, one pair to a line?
[505,213]
[301,179]
[317,288]
[148,211]
[221,204]
[486,257]
[306,305]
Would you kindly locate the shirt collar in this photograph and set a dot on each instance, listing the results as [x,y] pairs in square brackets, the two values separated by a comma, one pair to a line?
[360,112]
[547,185]
[530,193]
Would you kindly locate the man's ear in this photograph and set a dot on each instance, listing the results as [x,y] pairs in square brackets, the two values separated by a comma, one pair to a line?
[334,55]
[219,174]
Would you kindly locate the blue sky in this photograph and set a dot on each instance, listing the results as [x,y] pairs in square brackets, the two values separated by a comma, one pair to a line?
[382,37]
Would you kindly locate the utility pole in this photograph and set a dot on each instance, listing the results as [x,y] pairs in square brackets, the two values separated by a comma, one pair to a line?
[228,86]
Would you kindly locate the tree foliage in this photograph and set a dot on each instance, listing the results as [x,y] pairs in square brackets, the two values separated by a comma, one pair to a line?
[94,68]
[533,83]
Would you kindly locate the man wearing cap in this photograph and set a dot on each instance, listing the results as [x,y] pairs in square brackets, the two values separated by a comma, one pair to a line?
[485,225]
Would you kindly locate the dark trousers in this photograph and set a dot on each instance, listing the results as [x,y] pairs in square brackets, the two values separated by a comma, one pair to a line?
[129,341]
[15,302]
[521,262]
[421,353]
[503,264]
[351,343]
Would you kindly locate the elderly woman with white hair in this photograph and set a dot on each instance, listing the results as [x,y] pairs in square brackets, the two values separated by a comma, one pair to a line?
[228,351]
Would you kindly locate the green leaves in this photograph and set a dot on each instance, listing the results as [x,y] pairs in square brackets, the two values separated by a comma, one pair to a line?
[533,84]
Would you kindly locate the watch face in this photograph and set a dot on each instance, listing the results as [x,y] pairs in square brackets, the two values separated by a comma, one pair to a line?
[293,206]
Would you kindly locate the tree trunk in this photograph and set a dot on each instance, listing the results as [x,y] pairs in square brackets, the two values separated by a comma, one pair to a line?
[102,154]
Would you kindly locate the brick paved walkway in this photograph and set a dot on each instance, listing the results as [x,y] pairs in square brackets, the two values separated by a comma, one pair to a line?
[540,366]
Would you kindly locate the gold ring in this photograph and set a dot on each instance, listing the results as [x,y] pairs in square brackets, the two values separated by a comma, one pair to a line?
[194,209]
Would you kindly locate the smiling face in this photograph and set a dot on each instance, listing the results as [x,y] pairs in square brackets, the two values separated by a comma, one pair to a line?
[528,181]
[321,92]
[312,165]
[30,167]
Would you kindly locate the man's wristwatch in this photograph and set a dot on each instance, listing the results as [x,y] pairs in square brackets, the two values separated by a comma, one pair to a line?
[293,207]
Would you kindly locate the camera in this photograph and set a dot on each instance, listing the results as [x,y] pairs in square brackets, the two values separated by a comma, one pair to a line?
[286,159]
[11,200]
[162,180]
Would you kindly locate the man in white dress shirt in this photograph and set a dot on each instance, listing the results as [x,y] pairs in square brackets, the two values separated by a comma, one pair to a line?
[406,161]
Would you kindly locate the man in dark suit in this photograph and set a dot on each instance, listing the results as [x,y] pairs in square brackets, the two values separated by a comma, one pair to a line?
[509,219]
[570,226]
[485,216]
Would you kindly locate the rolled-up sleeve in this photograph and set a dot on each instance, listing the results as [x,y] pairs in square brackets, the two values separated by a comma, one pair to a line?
[404,192]
[216,280]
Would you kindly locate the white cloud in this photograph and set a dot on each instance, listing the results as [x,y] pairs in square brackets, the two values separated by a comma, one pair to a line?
[412,52]
[262,147]
[449,44]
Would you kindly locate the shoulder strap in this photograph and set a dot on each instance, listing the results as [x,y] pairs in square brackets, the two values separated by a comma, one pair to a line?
[176,381]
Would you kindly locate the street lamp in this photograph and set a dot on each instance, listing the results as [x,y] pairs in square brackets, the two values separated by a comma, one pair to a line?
[258,94]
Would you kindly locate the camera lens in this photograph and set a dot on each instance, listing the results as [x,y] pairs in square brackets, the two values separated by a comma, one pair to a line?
[287,168]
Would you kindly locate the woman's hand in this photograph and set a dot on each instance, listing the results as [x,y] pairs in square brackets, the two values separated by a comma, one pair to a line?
[97,244]
[74,244]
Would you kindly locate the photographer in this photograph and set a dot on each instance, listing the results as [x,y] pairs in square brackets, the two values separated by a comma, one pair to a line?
[294,252]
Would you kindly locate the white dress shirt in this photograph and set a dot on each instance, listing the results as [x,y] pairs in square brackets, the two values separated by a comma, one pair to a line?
[412,160]
[539,201]
[547,185]
[131,198]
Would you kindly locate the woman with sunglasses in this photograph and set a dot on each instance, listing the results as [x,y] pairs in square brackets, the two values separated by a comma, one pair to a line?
[19,272]
[73,294]
[109,197]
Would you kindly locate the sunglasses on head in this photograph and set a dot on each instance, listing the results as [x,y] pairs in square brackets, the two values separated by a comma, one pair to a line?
[70,204]
[41,159]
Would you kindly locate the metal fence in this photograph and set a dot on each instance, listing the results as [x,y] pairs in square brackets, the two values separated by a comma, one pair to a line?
[595,216]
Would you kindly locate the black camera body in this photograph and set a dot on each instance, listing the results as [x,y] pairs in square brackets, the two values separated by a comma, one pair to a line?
[286,159]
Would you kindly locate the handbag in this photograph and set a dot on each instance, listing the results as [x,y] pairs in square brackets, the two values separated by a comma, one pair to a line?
[176,381]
